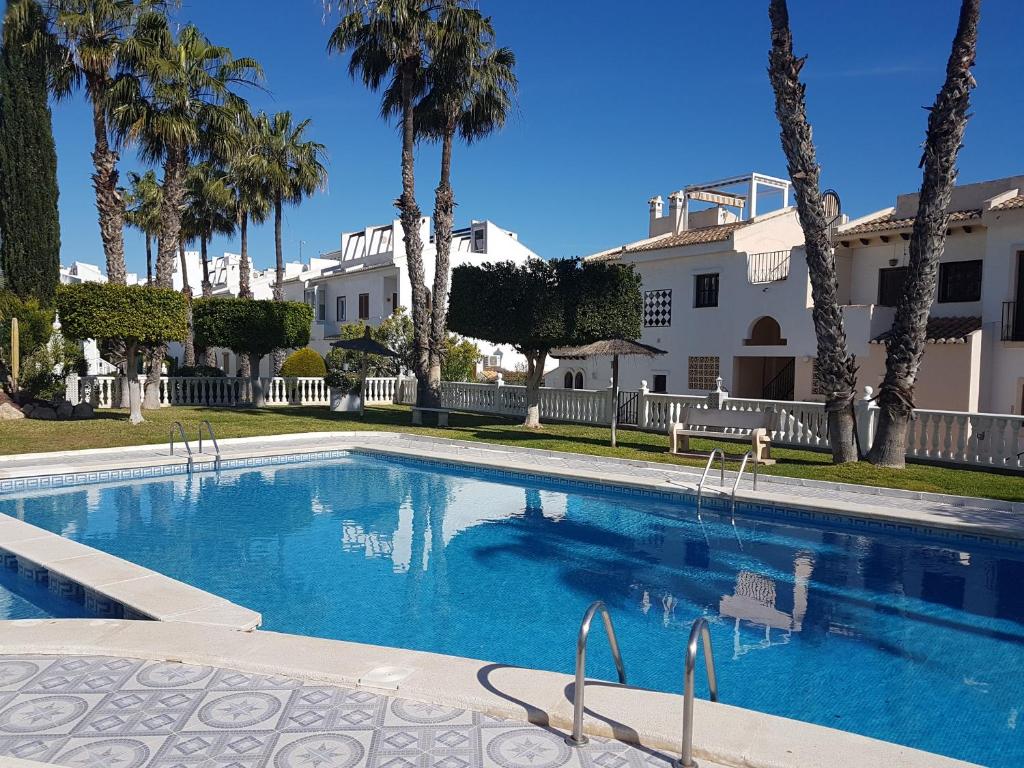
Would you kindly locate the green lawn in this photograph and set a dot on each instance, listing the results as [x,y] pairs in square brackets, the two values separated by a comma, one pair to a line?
[111,428]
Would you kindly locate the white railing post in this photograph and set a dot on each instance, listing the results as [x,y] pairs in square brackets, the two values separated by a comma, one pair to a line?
[71,388]
[716,399]
[643,407]
[865,414]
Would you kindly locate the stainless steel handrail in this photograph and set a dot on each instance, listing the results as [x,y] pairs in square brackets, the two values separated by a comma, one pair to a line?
[739,475]
[700,630]
[707,468]
[181,431]
[213,439]
[577,739]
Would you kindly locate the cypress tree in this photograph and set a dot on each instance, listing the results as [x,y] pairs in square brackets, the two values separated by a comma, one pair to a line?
[29,223]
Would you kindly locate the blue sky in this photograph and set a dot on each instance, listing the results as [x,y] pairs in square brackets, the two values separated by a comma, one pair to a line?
[615,106]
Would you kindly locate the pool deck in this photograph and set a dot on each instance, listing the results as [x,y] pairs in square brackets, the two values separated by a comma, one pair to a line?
[218,695]
[220,636]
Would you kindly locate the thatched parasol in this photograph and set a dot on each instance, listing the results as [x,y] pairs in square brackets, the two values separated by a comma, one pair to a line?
[610,348]
[367,346]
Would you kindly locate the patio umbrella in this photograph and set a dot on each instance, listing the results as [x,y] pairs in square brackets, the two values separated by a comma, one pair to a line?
[610,348]
[367,346]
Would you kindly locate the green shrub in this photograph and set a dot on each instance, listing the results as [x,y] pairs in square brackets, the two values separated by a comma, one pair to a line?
[251,326]
[44,372]
[35,324]
[304,362]
[133,314]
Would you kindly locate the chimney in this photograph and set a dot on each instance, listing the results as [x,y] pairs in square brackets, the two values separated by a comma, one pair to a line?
[656,205]
[676,211]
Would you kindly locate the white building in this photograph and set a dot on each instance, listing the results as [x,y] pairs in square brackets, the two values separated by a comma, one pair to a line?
[726,293]
[367,278]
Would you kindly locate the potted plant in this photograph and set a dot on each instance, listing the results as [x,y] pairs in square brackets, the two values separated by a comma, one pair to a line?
[345,394]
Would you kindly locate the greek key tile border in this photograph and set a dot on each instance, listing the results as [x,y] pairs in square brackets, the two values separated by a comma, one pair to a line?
[69,479]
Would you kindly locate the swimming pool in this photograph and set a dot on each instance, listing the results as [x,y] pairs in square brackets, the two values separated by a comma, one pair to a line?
[24,599]
[901,638]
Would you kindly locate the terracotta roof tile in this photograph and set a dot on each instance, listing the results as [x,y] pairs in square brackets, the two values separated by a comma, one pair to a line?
[944,330]
[887,223]
[1013,202]
[699,236]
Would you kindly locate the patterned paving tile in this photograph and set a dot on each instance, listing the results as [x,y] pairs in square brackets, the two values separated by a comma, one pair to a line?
[102,712]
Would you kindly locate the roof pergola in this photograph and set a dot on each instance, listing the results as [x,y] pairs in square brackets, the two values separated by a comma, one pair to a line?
[613,348]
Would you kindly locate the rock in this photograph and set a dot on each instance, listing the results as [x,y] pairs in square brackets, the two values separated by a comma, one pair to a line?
[64,411]
[82,411]
[27,408]
[44,413]
[10,412]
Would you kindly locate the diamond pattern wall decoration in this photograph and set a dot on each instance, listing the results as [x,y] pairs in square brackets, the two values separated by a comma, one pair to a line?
[658,308]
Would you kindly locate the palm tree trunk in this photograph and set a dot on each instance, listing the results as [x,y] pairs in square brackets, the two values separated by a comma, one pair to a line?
[244,289]
[244,267]
[279,354]
[189,353]
[109,203]
[836,367]
[409,213]
[167,247]
[444,213]
[208,355]
[947,122]
[149,259]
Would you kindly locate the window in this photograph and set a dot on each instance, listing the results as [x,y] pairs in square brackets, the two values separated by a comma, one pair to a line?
[568,379]
[321,307]
[660,382]
[890,285]
[705,290]
[702,372]
[394,303]
[960,281]
[340,313]
[657,308]
[364,306]
[579,380]
[316,303]
[479,240]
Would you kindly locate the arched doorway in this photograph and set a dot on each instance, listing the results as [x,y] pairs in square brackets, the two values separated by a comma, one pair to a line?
[765,332]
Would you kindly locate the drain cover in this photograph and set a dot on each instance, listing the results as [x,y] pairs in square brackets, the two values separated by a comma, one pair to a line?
[386,677]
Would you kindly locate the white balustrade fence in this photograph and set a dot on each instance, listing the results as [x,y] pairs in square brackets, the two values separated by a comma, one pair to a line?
[956,437]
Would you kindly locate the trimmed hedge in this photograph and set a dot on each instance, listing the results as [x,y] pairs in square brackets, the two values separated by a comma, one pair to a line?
[134,314]
[251,326]
[304,362]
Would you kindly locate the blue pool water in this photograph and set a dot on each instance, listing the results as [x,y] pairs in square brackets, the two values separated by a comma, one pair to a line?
[906,639]
[23,599]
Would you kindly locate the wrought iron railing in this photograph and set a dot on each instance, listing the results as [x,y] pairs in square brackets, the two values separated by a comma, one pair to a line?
[767,267]
[1013,322]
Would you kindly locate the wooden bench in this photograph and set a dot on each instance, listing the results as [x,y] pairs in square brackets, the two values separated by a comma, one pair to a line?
[710,422]
[442,415]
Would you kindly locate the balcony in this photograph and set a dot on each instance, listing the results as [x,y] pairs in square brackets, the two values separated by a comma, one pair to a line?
[1013,322]
[767,267]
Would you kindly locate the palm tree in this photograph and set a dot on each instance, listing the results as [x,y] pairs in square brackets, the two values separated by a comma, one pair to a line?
[209,210]
[388,41]
[947,122]
[176,100]
[836,366]
[292,168]
[471,86]
[84,42]
[142,202]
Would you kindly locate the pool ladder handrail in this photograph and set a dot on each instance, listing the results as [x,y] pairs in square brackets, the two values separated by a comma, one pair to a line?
[577,739]
[184,439]
[699,631]
[707,468]
[743,465]
[213,439]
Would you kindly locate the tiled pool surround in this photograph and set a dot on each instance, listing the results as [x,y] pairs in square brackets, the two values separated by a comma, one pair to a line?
[723,735]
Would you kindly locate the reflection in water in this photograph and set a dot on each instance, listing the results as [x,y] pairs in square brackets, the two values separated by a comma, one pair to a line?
[369,550]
